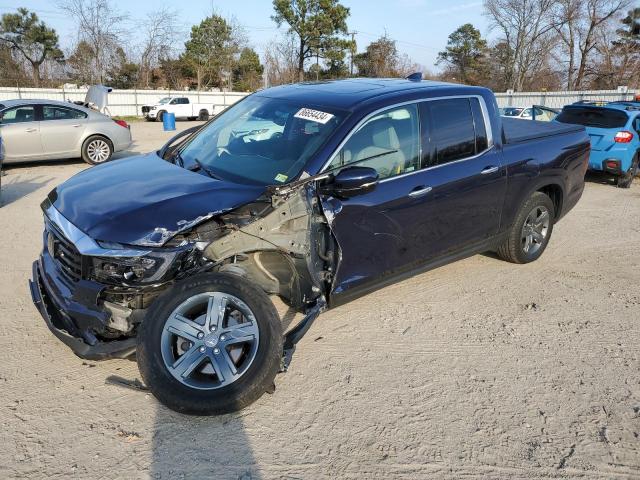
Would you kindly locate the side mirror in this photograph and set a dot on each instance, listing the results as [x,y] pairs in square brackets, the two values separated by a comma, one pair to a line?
[352,181]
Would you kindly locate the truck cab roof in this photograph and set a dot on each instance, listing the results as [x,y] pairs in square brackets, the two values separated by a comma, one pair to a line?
[350,93]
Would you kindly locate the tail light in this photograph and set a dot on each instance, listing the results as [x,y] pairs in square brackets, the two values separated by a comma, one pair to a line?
[623,137]
[124,124]
[612,164]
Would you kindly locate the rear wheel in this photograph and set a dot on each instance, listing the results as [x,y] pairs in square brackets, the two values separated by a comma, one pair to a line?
[96,150]
[626,180]
[203,115]
[211,344]
[530,233]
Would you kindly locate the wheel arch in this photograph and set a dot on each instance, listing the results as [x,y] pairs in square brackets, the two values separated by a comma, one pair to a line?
[96,134]
[556,193]
[275,273]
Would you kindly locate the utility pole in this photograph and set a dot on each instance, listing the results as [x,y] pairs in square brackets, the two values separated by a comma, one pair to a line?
[353,49]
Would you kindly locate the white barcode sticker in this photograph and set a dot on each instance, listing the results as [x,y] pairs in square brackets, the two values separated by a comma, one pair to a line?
[313,115]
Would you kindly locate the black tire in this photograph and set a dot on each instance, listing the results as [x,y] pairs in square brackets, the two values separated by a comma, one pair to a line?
[92,145]
[251,385]
[625,181]
[159,116]
[513,250]
[203,116]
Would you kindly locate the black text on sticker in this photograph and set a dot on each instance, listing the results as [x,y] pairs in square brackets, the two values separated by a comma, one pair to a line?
[313,115]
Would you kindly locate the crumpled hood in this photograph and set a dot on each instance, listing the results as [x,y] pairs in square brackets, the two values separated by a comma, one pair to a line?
[144,200]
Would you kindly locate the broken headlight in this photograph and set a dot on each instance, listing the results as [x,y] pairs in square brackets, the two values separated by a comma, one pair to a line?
[149,266]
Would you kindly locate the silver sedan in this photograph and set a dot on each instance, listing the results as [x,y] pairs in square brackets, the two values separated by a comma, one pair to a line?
[49,130]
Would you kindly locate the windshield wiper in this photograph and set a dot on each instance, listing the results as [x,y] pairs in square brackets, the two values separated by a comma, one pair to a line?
[178,160]
[201,166]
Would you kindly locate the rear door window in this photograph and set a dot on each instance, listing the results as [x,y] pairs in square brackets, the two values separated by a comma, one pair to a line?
[51,112]
[454,132]
[593,117]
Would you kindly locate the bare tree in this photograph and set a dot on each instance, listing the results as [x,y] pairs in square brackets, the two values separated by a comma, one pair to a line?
[100,26]
[281,61]
[580,25]
[527,28]
[160,36]
[618,54]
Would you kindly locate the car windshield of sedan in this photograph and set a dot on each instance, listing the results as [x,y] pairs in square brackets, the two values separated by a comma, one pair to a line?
[510,111]
[260,141]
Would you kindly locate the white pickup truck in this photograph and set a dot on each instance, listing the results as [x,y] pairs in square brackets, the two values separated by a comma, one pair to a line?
[181,107]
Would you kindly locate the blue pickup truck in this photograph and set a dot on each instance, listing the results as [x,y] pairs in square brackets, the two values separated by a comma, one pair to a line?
[614,129]
[174,255]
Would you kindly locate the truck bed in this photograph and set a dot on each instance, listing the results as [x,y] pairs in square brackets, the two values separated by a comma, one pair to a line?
[518,130]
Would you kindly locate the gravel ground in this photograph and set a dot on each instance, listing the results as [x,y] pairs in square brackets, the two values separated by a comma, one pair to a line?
[477,369]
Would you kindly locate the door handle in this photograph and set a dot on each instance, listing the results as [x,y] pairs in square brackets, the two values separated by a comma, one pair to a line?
[76,125]
[487,170]
[419,191]
[31,130]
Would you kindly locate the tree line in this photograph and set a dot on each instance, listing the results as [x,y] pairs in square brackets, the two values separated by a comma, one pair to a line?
[549,45]
[536,45]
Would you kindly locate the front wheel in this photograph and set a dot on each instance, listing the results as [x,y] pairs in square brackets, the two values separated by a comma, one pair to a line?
[96,150]
[530,233]
[209,345]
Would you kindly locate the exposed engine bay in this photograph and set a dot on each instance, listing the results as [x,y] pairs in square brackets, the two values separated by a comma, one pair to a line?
[281,242]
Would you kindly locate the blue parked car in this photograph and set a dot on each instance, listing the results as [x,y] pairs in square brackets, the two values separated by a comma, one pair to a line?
[355,184]
[615,136]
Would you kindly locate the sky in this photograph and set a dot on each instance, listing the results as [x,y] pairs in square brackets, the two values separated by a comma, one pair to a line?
[420,27]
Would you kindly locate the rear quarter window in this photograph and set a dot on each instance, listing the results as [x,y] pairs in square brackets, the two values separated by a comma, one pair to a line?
[593,117]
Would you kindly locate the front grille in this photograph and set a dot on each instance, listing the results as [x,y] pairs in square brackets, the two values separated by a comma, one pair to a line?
[64,253]
[145,109]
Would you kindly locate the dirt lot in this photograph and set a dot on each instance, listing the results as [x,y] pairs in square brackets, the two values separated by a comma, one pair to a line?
[477,369]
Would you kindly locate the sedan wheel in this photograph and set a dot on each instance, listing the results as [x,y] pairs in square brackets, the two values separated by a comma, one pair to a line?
[96,150]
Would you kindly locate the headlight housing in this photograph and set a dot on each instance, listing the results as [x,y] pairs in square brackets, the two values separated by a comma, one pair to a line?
[150,267]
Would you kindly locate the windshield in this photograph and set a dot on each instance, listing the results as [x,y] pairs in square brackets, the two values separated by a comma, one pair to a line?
[261,141]
[593,117]
[164,100]
[510,111]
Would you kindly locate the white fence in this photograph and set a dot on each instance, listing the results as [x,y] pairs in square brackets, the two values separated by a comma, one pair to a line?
[560,99]
[129,102]
[125,102]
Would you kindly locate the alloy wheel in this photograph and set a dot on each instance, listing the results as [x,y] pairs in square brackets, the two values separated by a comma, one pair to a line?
[535,230]
[210,340]
[98,151]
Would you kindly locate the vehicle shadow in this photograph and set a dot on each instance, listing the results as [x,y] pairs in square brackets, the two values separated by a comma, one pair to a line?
[16,186]
[600,177]
[201,447]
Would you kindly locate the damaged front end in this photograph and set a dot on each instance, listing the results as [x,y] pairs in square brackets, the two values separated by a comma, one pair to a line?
[94,295]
